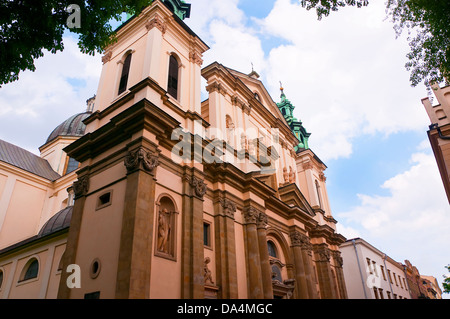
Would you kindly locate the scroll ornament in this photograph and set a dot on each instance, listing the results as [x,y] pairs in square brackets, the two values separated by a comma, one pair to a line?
[141,158]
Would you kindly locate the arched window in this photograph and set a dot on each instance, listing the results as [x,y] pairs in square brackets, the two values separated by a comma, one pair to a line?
[318,194]
[272,249]
[30,270]
[124,76]
[172,86]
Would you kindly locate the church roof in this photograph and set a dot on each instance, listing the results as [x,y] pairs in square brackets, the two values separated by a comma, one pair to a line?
[21,158]
[73,126]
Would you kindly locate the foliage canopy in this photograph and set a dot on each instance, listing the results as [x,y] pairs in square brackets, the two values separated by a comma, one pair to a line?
[28,27]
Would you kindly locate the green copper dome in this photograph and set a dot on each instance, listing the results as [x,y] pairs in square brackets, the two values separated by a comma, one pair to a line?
[287,109]
[181,9]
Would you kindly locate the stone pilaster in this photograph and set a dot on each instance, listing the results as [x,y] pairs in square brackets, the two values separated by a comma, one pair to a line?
[255,285]
[323,255]
[194,188]
[300,273]
[309,269]
[225,248]
[266,270]
[81,188]
[339,262]
[136,242]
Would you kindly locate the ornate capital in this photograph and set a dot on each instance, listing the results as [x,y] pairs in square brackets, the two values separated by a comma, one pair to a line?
[81,186]
[250,215]
[337,257]
[198,185]
[195,58]
[254,216]
[156,22]
[307,165]
[215,86]
[262,220]
[107,57]
[324,254]
[141,158]
[229,208]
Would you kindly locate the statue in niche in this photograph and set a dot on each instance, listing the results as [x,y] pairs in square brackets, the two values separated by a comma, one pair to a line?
[291,175]
[206,272]
[164,231]
[244,143]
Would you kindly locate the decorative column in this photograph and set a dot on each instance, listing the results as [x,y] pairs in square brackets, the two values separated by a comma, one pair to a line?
[225,249]
[136,242]
[192,256]
[339,262]
[300,273]
[255,286]
[309,269]
[80,188]
[322,253]
[266,270]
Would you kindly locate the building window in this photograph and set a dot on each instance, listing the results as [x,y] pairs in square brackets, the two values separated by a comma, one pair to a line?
[123,82]
[207,234]
[104,200]
[72,165]
[388,294]
[374,265]
[92,295]
[95,268]
[395,278]
[1,279]
[172,86]
[404,282]
[272,249]
[375,291]
[30,270]
[390,277]
[382,272]
[400,280]
[381,293]
[369,266]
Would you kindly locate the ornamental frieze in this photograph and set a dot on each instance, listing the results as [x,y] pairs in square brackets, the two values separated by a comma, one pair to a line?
[141,158]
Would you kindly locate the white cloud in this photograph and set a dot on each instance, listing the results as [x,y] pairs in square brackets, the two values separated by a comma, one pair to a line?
[345,74]
[35,104]
[412,222]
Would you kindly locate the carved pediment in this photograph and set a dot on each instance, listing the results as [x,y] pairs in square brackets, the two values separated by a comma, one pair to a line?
[292,196]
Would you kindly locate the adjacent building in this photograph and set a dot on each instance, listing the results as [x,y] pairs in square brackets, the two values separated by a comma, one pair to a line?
[439,131]
[153,192]
[371,274]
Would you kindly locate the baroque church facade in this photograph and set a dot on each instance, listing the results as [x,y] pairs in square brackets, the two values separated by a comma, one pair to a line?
[156,193]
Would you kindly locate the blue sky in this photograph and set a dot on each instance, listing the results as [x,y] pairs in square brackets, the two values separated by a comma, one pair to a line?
[346,77]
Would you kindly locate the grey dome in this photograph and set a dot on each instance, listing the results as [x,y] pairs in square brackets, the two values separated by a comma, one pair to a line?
[57,222]
[73,126]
